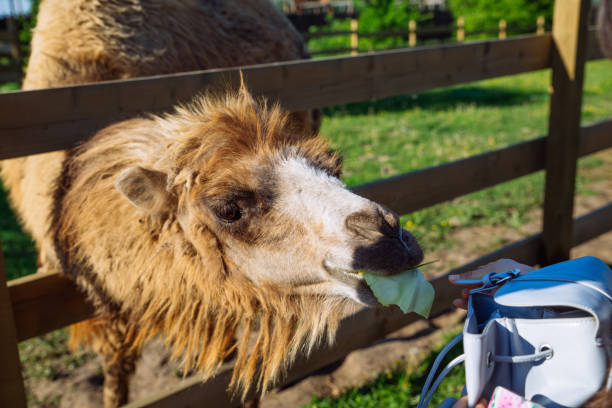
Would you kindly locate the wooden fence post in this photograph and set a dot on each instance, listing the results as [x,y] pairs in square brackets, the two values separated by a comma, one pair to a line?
[569,33]
[354,36]
[12,391]
[412,37]
[540,23]
[502,29]
[460,29]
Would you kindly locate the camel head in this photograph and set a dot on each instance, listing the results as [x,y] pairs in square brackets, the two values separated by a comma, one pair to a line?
[269,197]
[246,221]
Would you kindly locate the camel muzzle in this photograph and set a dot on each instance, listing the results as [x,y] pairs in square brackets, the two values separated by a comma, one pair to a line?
[381,246]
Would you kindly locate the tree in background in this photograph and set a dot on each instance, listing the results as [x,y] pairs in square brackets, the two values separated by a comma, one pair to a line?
[387,15]
[485,14]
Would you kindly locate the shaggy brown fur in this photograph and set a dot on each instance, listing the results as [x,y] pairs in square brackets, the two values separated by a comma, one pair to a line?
[201,301]
[79,41]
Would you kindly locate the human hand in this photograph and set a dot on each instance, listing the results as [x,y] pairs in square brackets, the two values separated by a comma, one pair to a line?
[501,265]
[463,403]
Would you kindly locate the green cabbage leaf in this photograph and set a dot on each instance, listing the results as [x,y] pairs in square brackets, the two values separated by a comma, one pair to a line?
[409,290]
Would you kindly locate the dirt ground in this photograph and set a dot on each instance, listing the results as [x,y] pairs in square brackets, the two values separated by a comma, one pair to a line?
[82,387]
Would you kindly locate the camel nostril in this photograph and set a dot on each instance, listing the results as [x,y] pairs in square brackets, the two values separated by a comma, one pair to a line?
[373,223]
[390,218]
[364,224]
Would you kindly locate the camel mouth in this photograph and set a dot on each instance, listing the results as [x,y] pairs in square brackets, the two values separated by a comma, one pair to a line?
[387,256]
[353,275]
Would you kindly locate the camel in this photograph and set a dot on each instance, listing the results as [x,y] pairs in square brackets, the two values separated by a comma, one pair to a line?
[223,220]
[199,223]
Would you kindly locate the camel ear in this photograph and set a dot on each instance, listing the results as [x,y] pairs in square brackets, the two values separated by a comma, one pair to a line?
[145,189]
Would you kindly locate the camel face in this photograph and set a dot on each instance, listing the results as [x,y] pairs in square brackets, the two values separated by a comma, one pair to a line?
[228,213]
[271,202]
[289,222]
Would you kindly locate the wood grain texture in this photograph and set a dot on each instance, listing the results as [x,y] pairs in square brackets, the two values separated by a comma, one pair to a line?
[12,391]
[570,36]
[68,115]
[593,224]
[46,302]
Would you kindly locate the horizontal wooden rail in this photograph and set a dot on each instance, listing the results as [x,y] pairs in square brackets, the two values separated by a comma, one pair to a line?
[46,302]
[368,325]
[68,115]
[420,189]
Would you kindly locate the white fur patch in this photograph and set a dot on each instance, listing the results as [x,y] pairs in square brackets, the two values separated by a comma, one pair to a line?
[320,204]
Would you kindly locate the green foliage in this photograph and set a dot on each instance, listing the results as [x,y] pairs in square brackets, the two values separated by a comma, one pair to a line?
[335,42]
[374,16]
[386,15]
[9,86]
[485,14]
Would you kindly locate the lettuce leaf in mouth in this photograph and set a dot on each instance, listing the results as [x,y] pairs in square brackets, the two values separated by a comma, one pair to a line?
[409,290]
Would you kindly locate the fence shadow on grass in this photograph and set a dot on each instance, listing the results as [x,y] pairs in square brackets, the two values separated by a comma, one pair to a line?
[441,100]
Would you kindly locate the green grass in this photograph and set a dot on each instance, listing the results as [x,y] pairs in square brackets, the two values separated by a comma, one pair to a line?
[401,386]
[48,356]
[9,86]
[18,248]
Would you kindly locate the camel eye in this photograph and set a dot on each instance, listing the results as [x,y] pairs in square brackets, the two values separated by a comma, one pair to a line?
[229,212]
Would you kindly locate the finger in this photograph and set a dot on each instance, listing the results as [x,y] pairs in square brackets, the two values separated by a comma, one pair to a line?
[482,403]
[460,304]
[461,403]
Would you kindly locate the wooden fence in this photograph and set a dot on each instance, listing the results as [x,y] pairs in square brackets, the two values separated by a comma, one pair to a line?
[413,33]
[37,304]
